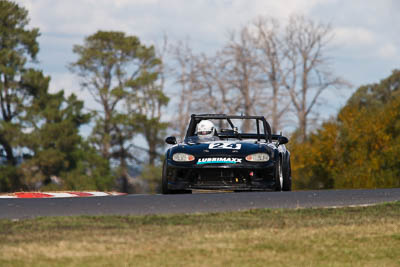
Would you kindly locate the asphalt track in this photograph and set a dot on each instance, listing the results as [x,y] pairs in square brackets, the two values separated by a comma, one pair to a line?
[194,203]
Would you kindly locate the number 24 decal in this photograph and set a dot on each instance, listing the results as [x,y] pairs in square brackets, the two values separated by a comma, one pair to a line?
[224,146]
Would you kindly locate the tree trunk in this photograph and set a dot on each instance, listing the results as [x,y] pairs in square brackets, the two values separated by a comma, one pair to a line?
[302,126]
[152,153]
[275,116]
[106,150]
[9,152]
[247,107]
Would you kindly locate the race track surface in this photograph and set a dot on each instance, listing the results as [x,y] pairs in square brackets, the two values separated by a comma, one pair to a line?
[194,203]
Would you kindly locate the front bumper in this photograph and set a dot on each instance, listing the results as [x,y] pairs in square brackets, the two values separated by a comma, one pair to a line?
[245,176]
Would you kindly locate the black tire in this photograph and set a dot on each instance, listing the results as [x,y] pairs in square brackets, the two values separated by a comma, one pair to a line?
[287,178]
[164,180]
[278,174]
[164,183]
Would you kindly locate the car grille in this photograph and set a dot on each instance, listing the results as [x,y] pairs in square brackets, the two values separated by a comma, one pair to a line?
[226,176]
[221,176]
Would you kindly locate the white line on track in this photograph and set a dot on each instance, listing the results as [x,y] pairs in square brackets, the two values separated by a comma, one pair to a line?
[98,194]
[62,195]
[59,194]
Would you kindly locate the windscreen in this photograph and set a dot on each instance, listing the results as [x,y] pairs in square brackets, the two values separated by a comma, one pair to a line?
[241,125]
[248,125]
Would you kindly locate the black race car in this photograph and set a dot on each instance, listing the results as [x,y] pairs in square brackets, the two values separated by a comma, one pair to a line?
[230,159]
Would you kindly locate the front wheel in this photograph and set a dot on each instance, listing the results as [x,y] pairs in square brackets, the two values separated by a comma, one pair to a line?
[164,183]
[164,180]
[279,176]
[287,178]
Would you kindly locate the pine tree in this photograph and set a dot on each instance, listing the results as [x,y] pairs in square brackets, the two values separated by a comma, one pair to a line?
[120,73]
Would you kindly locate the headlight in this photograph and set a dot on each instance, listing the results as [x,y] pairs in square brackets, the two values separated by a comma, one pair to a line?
[182,157]
[258,157]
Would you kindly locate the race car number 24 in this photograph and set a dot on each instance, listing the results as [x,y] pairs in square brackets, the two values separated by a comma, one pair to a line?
[224,146]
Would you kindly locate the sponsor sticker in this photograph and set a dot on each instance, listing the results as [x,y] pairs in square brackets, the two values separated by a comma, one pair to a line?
[219,160]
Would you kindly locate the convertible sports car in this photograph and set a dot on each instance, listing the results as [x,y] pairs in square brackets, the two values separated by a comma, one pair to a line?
[226,158]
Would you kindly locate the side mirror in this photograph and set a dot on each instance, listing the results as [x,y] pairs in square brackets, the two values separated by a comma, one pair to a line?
[171,140]
[283,140]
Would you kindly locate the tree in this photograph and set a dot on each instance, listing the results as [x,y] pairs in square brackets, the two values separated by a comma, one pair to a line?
[148,103]
[18,45]
[259,69]
[218,83]
[53,149]
[243,72]
[39,131]
[309,75]
[358,149]
[149,120]
[203,85]
[186,78]
[370,136]
[314,162]
[272,60]
[377,94]
[51,135]
[116,69]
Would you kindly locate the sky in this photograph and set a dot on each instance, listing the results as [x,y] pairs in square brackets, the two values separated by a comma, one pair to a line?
[365,48]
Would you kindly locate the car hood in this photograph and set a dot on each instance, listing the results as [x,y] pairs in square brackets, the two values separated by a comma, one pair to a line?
[222,148]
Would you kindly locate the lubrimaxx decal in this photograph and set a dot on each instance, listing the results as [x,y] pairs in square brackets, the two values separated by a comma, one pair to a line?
[219,160]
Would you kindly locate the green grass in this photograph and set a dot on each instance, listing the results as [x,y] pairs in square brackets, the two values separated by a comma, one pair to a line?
[368,236]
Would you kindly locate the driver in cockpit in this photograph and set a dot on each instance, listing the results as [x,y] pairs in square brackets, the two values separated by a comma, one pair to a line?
[206,130]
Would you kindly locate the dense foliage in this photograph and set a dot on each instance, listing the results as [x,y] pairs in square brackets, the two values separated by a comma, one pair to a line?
[358,149]
[41,146]
[39,131]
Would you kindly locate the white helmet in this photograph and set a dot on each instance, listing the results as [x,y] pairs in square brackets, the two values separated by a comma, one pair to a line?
[205,128]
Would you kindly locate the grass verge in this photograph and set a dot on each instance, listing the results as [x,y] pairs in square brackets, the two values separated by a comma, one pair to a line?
[365,236]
